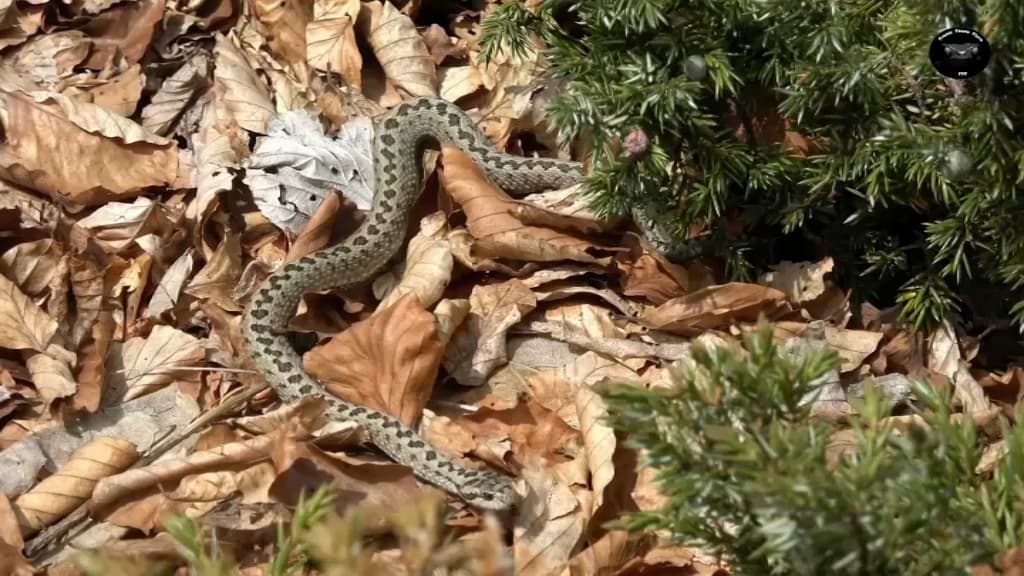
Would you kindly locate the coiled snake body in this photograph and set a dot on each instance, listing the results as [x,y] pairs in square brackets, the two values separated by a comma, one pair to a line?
[399,142]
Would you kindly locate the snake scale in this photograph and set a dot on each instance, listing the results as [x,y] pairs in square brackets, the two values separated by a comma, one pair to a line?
[400,138]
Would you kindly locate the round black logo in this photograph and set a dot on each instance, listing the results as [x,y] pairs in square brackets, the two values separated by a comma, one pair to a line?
[959,53]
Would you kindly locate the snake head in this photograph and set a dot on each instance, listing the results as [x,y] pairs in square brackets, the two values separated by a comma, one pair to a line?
[491,492]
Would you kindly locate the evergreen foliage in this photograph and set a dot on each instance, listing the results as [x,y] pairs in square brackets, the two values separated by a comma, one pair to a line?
[749,475]
[912,188]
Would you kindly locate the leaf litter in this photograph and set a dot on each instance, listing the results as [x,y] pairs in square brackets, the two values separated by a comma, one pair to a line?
[154,173]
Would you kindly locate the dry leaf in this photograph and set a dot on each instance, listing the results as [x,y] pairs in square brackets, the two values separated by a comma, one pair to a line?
[240,88]
[944,358]
[176,94]
[52,375]
[401,52]
[218,279]
[713,306]
[428,264]
[121,166]
[490,218]
[23,325]
[49,500]
[149,363]
[46,59]
[548,527]
[168,472]
[387,362]
[479,345]
[93,354]
[124,31]
[331,47]
[167,292]
[801,281]
[285,22]
[32,265]
[120,94]
[459,81]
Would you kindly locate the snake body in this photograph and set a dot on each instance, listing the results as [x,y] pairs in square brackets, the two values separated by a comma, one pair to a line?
[400,138]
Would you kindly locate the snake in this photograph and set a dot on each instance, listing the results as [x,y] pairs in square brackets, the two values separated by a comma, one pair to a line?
[400,137]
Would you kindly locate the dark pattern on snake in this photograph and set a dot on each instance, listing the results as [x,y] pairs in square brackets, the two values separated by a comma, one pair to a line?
[400,139]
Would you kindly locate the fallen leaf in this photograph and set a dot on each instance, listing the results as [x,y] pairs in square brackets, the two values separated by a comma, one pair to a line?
[73,483]
[123,161]
[490,218]
[217,280]
[240,89]
[387,362]
[120,94]
[296,166]
[149,362]
[801,281]
[478,347]
[428,264]
[285,23]
[119,487]
[713,306]
[548,526]
[398,47]
[165,296]
[52,374]
[176,94]
[123,31]
[23,325]
[459,81]
[32,265]
[331,47]
[944,358]
[48,58]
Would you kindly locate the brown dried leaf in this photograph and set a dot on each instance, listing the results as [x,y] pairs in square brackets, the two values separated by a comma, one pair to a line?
[32,265]
[48,58]
[117,169]
[149,362]
[331,47]
[440,45]
[73,483]
[23,325]
[124,31]
[401,51]
[169,472]
[168,291]
[12,561]
[219,277]
[285,23]
[610,553]
[852,346]
[548,527]
[93,355]
[714,306]
[539,437]
[387,362]
[459,81]
[52,375]
[120,94]
[316,234]
[88,284]
[479,345]
[801,281]
[428,264]
[490,218]
[944,357]
[240,89]
[175,95]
